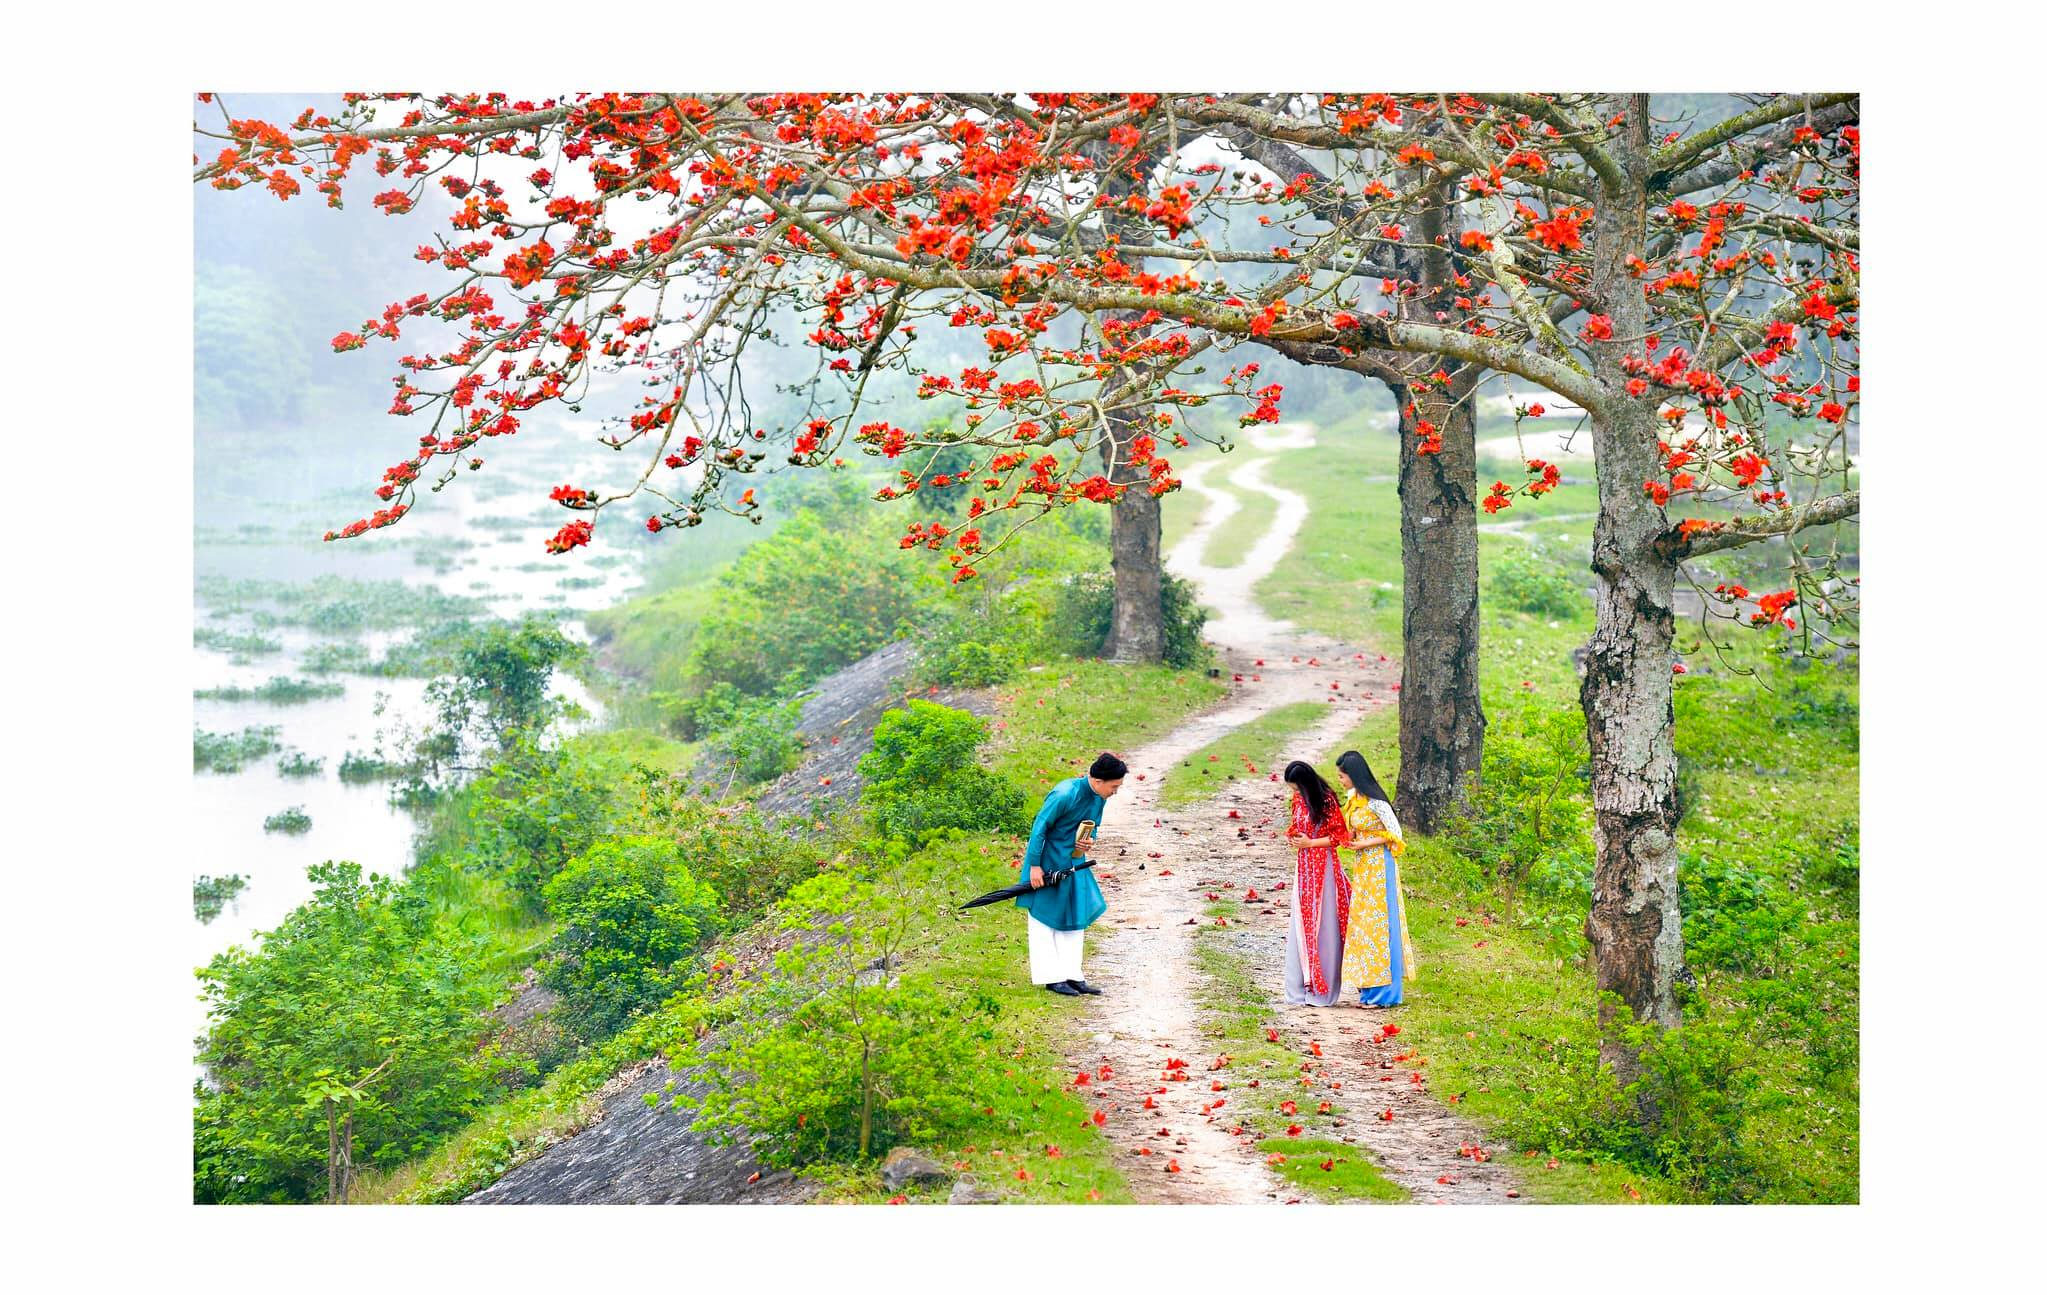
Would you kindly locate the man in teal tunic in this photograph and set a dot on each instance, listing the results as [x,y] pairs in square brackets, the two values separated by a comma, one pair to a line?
[1057,916]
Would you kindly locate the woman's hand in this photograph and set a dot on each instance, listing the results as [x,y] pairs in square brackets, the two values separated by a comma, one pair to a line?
[1037,876]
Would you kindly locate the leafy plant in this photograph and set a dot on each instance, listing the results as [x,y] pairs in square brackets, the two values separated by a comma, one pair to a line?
[837,1050]
[1523,579]
[358,768]
[212,895]
[293,821]
[295,763]
[1085,612]
[803,602]
[924,776]
[1527,819]
[974,646]
[229,752]
[358,1000]
[630,914]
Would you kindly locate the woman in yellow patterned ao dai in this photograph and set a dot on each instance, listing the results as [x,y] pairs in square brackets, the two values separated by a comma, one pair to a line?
[1375,955]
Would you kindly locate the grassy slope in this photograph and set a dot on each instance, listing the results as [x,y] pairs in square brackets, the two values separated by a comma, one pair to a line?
[1049,720]
[1250,751]
[1048,726]
[1495,1006]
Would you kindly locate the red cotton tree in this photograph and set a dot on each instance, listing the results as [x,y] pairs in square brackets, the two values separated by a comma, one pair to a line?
[1692,292]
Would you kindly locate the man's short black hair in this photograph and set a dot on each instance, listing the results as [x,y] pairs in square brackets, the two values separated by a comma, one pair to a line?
[1107,767]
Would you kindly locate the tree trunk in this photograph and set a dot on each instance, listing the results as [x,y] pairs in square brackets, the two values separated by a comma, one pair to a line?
[333,1157]
[1636,932]
[867,1094]
[1137,629]
[1442,723]
[1635,928]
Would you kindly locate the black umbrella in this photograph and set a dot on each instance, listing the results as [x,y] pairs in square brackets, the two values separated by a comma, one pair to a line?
[1025,887]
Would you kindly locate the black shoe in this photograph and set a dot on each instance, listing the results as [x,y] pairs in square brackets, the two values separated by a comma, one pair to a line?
[1082,987]
[1064,987]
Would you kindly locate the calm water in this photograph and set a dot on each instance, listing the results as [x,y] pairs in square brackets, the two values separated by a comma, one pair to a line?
[357,822]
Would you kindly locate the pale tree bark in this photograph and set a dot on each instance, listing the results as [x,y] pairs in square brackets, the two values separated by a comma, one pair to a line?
[1635,926]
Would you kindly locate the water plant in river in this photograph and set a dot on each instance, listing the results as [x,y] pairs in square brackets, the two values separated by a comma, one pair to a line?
[338,658]
[335,605]
[295,763]
[212,895]
[293,821]
[241,645]
[228,752]
[280,689]
[356,767]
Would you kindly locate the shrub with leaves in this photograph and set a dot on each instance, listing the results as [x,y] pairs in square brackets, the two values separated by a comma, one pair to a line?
[1527,819]
[360,1001]
[1085,611]
[923,775]
[840,1049]
[1526,580]
[805,601]
[631,915]
[532,811]
[738,852]
[975,645]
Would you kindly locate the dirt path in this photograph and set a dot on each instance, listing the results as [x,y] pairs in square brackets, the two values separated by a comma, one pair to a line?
[1166,864]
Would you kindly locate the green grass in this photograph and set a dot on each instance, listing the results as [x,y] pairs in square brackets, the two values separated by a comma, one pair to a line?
[1249,751]
[1351,1176]
[1504,1012]
[1235,1020]
[644,746]
[1036,1105]
[649,636]
[1055,719]
[1342,577]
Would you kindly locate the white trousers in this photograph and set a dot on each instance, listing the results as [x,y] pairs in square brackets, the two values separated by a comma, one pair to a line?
[1055,955]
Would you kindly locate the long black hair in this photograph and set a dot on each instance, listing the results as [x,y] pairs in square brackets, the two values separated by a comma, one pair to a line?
[1361,776]
[1319,795]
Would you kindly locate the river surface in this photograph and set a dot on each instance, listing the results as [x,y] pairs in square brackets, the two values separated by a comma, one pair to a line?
[473,549]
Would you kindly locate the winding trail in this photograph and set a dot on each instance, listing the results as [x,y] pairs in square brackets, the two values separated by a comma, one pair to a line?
[1180,1150]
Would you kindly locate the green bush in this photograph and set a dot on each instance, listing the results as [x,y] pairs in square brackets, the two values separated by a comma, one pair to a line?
[837,1051]
[975,646]
[535,809]
[1085,610]
[755,736]
[212,895]
[804,602]
[360,1005]
[923,776]
[1525,580]
[1527,821]
[1709,1105]
[630,914]
[739,852]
